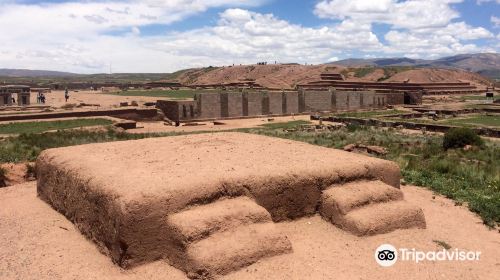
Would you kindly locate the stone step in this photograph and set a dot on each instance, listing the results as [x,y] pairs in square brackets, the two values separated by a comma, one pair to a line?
[382,218]
[230,250]
[201,221]
[344,198]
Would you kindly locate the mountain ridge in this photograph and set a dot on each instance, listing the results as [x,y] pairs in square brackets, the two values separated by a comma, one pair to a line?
[487,64]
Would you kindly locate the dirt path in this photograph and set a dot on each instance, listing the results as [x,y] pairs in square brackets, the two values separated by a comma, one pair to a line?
[37,242]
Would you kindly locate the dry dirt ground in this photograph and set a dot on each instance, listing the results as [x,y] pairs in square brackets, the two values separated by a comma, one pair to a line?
[287,76]
[155,127]
[56,99]
[36,242]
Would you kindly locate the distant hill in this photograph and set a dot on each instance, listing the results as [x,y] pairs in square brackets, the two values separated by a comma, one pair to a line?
[33,73]
[288,76]
[487,64]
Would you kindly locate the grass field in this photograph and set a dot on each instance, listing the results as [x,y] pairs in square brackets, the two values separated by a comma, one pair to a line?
[464,121]
[285,125]
[478,120]
[370,114]
[173,94]
[37,127]
[476,97]
[27,147]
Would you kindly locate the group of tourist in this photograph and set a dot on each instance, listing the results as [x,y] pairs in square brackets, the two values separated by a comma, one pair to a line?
[40,98]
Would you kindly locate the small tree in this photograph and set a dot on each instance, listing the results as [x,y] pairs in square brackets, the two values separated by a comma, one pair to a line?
[459,137]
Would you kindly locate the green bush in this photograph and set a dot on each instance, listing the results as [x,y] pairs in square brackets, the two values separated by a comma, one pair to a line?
[3,177]
[459,137]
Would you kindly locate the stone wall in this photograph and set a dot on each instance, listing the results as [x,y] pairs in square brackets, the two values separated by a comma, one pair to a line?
[177,110]
[275,103]
[291,102]
[341,100]
[395,98]
[5,99]
[367,99]
[259,103]
[208,105]
[354,100]
[317,101]
[23,99]
[253,102]
[380,100]
[235,104]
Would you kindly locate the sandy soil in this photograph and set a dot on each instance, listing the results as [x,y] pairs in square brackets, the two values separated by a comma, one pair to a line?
[36,242]
[56,99]
[154,127]
[16,173]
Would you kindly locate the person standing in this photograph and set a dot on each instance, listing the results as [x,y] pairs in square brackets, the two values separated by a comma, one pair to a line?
[66,95]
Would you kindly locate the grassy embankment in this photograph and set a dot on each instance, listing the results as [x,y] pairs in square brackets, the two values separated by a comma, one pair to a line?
[478,97]
[370,114]
[42,126]
[475,120]
[27,147]
[172,94]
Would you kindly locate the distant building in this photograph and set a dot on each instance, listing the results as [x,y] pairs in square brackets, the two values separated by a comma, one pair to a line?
[20,93]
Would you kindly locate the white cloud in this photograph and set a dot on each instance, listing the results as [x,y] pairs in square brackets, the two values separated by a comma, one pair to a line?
[72,35]
[77,36]
[495,21]
[93,17]
[418,28]
[248,37]
[239,36]
[399,14]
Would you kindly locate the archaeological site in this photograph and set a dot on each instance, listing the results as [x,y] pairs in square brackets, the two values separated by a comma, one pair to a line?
[249,140]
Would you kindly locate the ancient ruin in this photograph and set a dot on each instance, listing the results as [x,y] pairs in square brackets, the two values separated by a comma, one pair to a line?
[208,203]
[19,93]
[229,104]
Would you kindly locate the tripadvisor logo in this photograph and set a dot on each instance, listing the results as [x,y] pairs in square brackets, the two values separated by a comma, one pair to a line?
[387,255]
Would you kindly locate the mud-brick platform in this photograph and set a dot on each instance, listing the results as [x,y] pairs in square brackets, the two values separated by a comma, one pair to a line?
[208,203]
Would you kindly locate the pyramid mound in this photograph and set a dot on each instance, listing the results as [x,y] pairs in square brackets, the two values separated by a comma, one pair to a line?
[208,203]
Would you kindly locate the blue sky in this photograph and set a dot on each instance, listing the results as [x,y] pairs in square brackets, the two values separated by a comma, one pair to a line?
[168,35]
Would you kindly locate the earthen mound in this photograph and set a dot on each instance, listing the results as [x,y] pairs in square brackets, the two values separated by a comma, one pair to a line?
[208,203]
